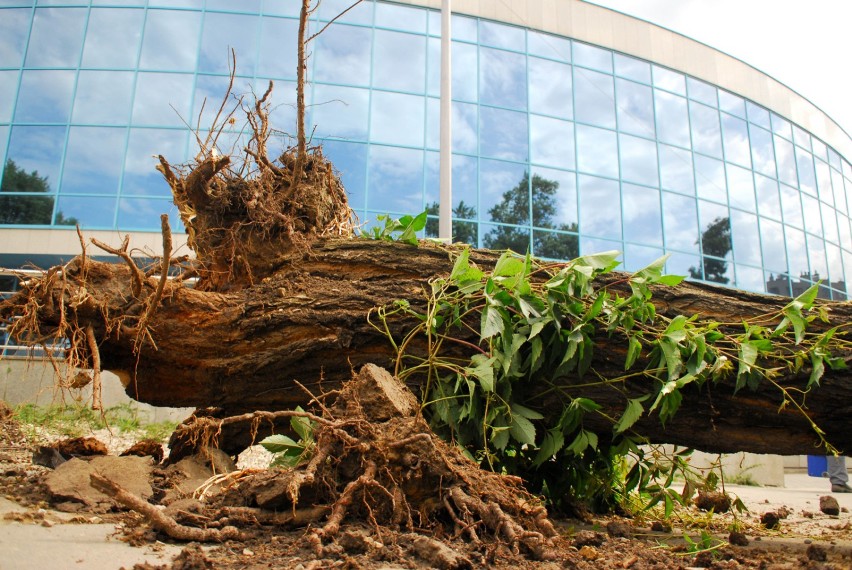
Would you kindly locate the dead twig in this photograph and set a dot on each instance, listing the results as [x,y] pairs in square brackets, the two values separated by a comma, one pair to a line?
[135,273]
[97,403]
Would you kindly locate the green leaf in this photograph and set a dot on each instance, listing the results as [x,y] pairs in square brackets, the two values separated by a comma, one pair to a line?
[817,370]
[671,280]
[526,412]
[302,426]
[483,370]
[463,273]
[596,307]
[672,357]
[552,443]
[747,357]
[500,437]
[634,349]
[807,298]
[522,430]
[603,262]
[631,414]
[278,443]
[492,321]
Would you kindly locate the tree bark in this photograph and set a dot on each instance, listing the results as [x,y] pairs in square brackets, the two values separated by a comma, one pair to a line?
[307,323]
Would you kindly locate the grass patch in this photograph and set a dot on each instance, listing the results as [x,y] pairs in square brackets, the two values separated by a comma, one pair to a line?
[76,421]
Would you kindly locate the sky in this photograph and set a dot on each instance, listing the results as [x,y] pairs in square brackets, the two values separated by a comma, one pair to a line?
[806,45]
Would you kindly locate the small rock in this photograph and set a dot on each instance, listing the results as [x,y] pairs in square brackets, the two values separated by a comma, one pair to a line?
[47,523]
[619,529]
[738,539]
[829,505]
[248,552]
[589,552]
[588,538]
[807,514]
[808,541]
[660,526]
[770,520]
[713,500]
[817,553]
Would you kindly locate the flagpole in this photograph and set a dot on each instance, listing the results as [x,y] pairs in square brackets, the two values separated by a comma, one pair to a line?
[445,210]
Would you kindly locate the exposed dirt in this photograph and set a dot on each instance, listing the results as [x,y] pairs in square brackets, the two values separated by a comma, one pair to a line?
[365,540]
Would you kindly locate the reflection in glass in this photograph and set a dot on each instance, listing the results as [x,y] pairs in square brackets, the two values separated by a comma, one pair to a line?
[710,178]
[635,108]
[819,148]
[757,115]
[29,210]
[517,239]
[835,266]
[716,242]
[209,90]
[839,194]
[797,252]
[360,14]
[632,68]
[503,134]
[555,245]
[14,27]
[801,137]
[501,35]
[676,169]
[340,112]
[829,223]
[816,255]
[638,257]
[791,206]
[251,6]
[89,212]
[768,201]
[774,251]
[786,159]
[399,61]
[464,186]
[464,127]
[162,99]
[549,46]
[642,218]
[762,152]
[807,176]
[735,139]
[38,149]
[103,97]
[594,98]
[823,176]
[144,214]
[594,149]
[669,80]
[170,42]
[223,33]
[140,176]
[56,37]
[551,142]
[844,233]
[93,160]
[464,28]
[594,220]
[45,96]
[700,91]
[395,179]
[593,57]
[672,118]
[112,38]
[465,58]
[496,178]
[559,210]
[750,278]
[277,53]
[706,133]
[397,119]
[732,104]
[398,17]
[350,161]
[811,211]
[550,88]
[781,126]
[591,245]
[680,219]
[638,160]
[502,78]
[343,55]
[680,263]
[741,187]
[463,232]
[745,238]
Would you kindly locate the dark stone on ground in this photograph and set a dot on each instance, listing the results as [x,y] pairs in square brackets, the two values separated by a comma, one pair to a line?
[829,505]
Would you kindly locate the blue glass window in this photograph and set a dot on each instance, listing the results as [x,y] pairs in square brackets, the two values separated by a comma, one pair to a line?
[635,108]
[551,142]
[710,178]
[594,220]
[396,118]
[8,91]
[501,36]
[762,151]
[399,61]
[786,159]
[835,263]
[350,160]
[223,33]
[162,99]
[801,138]
[797,252]
[170,42]
[341,112]
[549,46]
[672,118]
[14,27]
[503,184]
[768,201]
[251,6]
[56,37]
[669,80]
[558,209]
[360,14]
[465,58]
[638,160]
[757,115]
[93,160]
[740,187]
[112,38]
[465,184]
[277,54]
[38,149]
[503,134]
[638,257]
[87,211]
[811,211]
[839,193]
[745,237]
[774,251]
[592,57]
[343,55]
[823,176]
[706,133]
[103,97]
[735,138]
[550,88]
[143,146]
[680,219]
[791,206]
[594,98]
[750,278]
[45,96]
[816,256]
[144,214]
[502,78]
[829,223]
[642,217]
[676,171]
[395,179]
[464,28]
[702,92]
[807,176]
[409,19]
[209,91]
[632,68]
[781,126]
[595,149]
[819,148]
[732,104]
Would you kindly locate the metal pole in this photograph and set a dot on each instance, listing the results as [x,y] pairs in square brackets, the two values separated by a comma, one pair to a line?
[445,210]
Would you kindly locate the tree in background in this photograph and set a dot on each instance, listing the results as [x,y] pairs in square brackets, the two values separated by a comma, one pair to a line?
[28,210]
[715,241]
[515,209]
[463,232]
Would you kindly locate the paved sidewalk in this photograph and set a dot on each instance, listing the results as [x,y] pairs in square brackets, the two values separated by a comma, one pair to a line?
[800,492]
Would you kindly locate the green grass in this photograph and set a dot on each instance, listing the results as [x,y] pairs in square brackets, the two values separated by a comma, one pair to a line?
[78,420]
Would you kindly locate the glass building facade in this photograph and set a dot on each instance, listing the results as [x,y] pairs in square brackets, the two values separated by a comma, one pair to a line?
[559,146]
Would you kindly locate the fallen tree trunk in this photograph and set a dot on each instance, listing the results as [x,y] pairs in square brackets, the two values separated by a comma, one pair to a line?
[306,325]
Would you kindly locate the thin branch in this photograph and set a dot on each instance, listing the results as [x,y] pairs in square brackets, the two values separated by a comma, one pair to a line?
[135,273]
[164,272]
[330,22]
[97,402]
